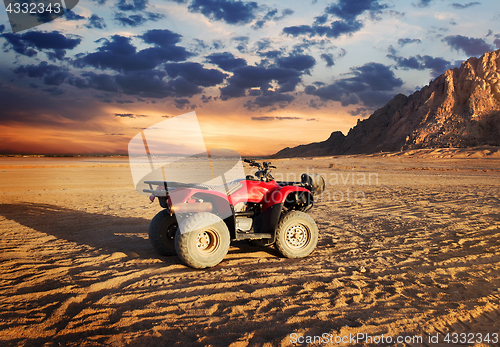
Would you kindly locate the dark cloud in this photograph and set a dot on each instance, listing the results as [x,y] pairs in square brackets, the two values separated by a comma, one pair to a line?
[181,103]
[54,91]
[349,10]
[369,85]
[406,41]
[195,73]
[95,22]
[335,30]
[321,19]
[51,74]
[270,54]
[136,20]
[469,45]
[229,11]
[263,118]
[497,40]
[241,43]
[462,6]
[298,62]
[268,118]
[125,115]
[70,15]
[437,65]
[270,98]
[27,43]
[261,78]
[95,81]
[161,37]
[272,15]
[152,84]
[120,55]
[226,61]
[134,5]
[328,58]
[423,3]
[258,24]
[2,28]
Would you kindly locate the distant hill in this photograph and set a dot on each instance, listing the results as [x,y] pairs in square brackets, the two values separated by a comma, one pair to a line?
[460,108]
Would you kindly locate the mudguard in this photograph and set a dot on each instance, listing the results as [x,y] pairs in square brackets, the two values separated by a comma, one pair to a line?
[279,196]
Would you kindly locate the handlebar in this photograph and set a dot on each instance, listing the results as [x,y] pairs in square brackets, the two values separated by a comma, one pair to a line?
[264,169]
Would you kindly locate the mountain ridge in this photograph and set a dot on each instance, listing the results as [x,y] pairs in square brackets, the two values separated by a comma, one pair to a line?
[460,108]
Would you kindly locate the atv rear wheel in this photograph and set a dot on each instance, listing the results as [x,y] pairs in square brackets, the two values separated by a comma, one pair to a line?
[162,230]
[203,240]
[296,235]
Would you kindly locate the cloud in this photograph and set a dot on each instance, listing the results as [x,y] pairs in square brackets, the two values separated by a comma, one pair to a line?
[349,10]
[136,20]
[268,118]
[270,98]
[242,43]
[258,80]
[161,37]
[463,6]
[298,62]
[229,11]
[95,22]
[181,103]
[151,84]
[497,40]
[335,30]
[406,41]
[369,85]
[471,46]
[226,61]
[51,74]
[195,73]
[125,115]
[272,15]
[437,65]
[27,43]
[92,80]
[54,91]
[423,3]
[120,55]
[70,15]
[134,5]
[328,58]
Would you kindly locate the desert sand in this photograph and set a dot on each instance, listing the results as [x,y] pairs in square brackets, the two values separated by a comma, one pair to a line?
[409,246]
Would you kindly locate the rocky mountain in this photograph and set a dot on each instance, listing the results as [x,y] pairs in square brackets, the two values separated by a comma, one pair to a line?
[460,108]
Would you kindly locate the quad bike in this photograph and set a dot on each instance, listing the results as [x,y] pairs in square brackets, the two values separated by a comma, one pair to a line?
[198,221]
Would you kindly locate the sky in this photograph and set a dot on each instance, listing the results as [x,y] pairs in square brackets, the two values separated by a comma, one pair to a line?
[260,75]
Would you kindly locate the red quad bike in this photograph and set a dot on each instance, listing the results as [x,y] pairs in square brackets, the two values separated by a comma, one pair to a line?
[199,226]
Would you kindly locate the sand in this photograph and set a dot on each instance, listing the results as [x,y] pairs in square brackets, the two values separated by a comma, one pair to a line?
[409,246]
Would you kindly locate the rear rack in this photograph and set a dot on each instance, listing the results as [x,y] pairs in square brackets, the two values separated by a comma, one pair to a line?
[167,185]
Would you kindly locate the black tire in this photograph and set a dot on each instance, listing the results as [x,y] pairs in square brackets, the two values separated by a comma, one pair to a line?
[202,241]
[162,230]
[296,235]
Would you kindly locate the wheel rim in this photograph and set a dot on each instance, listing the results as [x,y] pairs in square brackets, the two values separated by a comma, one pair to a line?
[171,230]
[207,242]
[297,236]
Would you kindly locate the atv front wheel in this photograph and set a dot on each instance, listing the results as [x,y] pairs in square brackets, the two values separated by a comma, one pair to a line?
[296,235]
[162,230]
[203,240]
